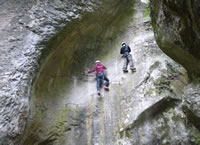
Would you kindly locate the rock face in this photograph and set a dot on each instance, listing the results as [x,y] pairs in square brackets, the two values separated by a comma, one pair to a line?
[25,28]
[46,100]
[176,26]
[140,108]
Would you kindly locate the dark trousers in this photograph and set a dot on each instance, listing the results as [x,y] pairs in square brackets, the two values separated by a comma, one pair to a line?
[128,60]
[100,79]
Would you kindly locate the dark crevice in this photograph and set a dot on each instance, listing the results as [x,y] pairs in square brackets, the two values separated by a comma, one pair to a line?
[194,119]
[152,112]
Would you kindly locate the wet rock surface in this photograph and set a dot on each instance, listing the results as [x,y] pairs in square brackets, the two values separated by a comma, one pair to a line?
[26,27]
[176,27]
[47,46]
[152,111]
[141,108]
[191,104]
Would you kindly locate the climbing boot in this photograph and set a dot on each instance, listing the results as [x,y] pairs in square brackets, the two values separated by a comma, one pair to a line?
[133,69]
[106,87]
[125,71]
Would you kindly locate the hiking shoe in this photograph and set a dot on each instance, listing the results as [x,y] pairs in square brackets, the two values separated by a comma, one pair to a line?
[125,71]
[106,87]
[133,69]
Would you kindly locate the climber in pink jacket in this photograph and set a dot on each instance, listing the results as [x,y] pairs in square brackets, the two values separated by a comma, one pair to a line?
[100,77]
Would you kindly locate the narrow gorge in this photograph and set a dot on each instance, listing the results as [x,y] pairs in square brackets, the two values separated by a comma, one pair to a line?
[47,46]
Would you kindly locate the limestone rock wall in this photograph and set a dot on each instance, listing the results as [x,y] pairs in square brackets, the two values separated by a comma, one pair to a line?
[146,107]
[26,28]
[46,46]
[177,31]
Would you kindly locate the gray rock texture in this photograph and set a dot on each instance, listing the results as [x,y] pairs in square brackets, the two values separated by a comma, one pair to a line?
[26,28]
[146,107]
[45,98]
[176,26]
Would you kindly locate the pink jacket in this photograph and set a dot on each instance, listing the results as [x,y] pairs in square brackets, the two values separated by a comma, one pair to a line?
[99,68]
